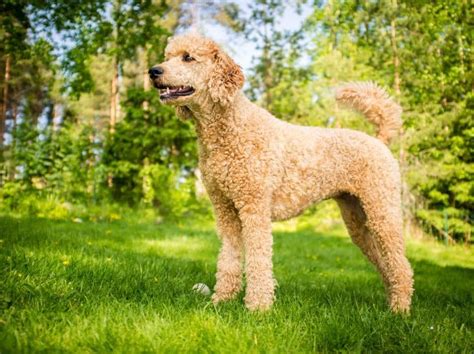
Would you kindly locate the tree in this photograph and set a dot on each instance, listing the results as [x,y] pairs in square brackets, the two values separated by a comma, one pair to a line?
[147,140]
[421,49]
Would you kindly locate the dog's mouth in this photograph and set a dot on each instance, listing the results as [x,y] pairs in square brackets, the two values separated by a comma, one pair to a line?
[173,92]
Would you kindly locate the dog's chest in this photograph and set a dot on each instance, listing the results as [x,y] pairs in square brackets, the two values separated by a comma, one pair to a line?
[233,169]
[219,169]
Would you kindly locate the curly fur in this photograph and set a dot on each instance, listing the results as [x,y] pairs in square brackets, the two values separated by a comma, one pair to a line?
[257,169]
[375,103]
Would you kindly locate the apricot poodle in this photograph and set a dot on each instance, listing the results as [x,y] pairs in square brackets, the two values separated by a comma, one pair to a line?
[258,169]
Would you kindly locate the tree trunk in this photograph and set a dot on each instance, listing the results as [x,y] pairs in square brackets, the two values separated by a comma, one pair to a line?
[12,166]
[146,87]
[267,70]
[3,116]
[113,97]
[395,57]
[146,78]
[113,108]
[406,200]
[267,77]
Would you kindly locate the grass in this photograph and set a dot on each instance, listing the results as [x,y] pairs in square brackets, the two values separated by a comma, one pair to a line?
[126,287]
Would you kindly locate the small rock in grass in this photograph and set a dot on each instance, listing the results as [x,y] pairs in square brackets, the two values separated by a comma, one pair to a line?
[202,289]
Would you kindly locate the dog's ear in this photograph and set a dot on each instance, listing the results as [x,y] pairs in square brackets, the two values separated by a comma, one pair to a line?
[226,79]
[184,113]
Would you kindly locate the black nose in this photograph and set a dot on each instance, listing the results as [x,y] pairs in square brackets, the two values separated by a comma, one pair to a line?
[155,72]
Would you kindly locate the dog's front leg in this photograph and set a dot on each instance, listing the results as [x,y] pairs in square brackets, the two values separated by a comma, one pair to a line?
[229,263]
[257,238]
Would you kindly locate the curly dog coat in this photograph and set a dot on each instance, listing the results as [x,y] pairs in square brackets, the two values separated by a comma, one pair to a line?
[257,169]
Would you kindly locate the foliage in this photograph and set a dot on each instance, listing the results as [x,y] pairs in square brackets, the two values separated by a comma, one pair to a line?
[56,162]
[82,126]
[129,25]
[424,52]
[61,153]
[149,153]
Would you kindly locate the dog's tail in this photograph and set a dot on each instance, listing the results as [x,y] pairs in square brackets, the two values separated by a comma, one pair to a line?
[376,104]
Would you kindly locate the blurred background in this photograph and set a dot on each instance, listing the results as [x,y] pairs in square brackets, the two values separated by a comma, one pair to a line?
[83,136]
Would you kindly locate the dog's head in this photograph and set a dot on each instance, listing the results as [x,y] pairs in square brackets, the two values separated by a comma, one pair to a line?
[196,71]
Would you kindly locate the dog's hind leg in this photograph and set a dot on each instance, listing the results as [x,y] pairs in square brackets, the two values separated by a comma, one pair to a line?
[355,219]
[229,263]
[384,220]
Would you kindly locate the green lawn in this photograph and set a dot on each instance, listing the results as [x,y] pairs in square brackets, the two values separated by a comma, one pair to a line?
[126,287]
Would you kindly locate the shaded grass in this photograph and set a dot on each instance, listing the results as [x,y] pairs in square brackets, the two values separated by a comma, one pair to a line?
[122,287]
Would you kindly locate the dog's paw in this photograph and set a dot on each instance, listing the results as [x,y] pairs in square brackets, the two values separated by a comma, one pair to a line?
[219,297]
[259,306]
[400,306]
[259,301]
[216,299]
[227,287]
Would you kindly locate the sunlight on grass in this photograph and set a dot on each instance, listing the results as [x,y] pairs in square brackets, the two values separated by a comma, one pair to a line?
[433,251]
[102,287]
[193,248]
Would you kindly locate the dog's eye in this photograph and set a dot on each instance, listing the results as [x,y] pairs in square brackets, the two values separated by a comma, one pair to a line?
[187,58]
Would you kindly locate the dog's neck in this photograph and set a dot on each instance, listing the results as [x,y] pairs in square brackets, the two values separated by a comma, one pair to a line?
[206,111]
[215,122]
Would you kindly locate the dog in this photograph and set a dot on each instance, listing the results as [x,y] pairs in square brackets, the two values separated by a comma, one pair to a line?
[258,169]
